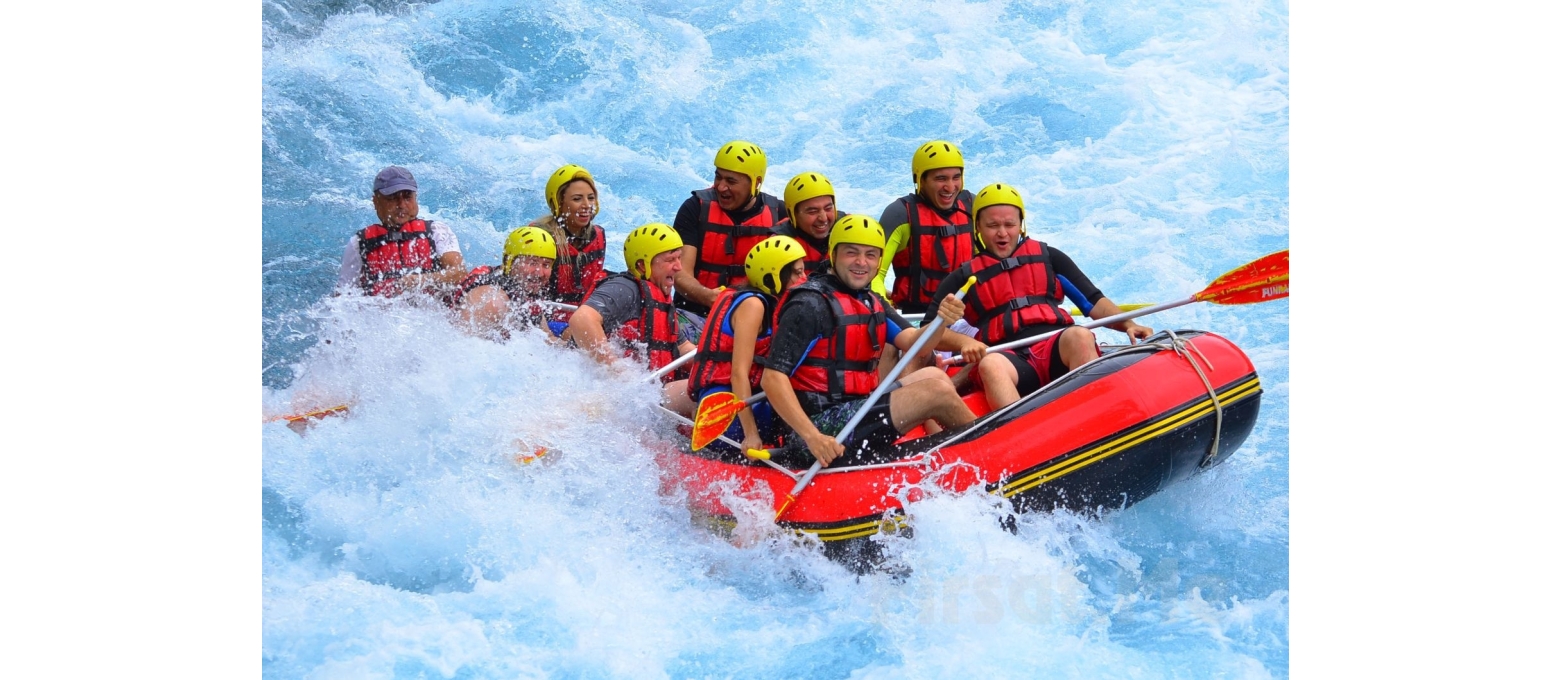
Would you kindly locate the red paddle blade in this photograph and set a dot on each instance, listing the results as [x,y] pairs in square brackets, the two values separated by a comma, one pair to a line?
[313,415]
[714,416]
[1268,278]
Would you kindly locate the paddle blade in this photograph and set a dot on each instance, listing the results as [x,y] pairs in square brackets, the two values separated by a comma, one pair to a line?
[312,415]
[1268,278]
[713,417]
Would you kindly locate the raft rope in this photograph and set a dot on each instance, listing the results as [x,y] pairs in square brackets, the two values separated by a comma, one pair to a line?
[1187,350]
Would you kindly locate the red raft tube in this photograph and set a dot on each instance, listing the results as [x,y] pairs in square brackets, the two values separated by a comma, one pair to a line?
[1103,436]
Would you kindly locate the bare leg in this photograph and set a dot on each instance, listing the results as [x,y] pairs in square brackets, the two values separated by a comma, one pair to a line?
[1000,380]
[1077,346]
[927,394]
[675,396]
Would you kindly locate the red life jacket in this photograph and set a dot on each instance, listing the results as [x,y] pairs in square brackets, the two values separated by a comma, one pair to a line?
[713,359]
[478,276]
[843,364]
[724,246]
[936,247]
[570,282]
[816,259]
[656,327]
[1014,293]
[531,314]
[387,255]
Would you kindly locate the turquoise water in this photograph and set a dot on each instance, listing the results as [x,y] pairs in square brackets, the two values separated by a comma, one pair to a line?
[1150,138]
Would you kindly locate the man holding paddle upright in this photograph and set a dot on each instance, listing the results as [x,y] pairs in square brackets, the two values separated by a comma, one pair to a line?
[829,334]
[1021,283]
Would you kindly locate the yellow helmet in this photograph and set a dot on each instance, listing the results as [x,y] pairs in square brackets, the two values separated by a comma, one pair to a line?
[804,186]
[767,259]
[998,194]
[858,229]
[744,158]
[647,242]
[565,175]
[932,156]
[528,241]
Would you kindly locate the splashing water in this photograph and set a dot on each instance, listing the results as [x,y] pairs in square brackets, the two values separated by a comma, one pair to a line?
[1150,140]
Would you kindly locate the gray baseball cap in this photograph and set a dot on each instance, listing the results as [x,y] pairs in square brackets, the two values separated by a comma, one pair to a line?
[392,180]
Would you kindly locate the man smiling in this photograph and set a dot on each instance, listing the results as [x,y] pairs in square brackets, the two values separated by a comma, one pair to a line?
[1021,282]
[719,225]
[810,200]
[929,231]
[829,335]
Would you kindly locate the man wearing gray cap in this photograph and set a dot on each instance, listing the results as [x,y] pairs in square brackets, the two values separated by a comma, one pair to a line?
[401,252]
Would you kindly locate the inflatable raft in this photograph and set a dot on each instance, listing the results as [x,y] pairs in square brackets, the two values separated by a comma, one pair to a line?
[1104,436]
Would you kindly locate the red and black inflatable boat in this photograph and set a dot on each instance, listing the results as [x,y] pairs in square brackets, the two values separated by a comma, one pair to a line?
[1104,436]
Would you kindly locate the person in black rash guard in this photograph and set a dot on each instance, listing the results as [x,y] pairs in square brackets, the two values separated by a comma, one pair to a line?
[1021,284]
[822,363]
[929,231]
[720,224]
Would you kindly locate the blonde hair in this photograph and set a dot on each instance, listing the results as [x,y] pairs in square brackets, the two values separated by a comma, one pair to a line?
[552,224]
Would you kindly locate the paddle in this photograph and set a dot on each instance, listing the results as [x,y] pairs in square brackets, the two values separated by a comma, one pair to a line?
[671,365]
[319,413]
[1267,278]
[850,426]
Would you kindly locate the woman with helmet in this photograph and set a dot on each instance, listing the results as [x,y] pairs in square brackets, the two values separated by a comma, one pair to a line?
[738,330]
[572,197]
[720,224]
[1021,282]
[929,231]
[823,359]
[490,301]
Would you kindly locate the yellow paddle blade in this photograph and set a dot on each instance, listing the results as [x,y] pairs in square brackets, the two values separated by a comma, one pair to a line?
[713,417]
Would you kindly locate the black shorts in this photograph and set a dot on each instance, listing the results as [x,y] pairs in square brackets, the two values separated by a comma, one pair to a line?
[871,441]
[1038,364]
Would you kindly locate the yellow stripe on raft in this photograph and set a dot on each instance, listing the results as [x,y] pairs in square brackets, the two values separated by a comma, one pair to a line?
[1081,460]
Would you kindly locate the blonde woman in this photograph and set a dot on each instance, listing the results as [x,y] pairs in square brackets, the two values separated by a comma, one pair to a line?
[578,266]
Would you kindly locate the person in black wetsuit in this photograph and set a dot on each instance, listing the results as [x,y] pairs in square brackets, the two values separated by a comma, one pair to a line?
[720,224]
[822,363]
[929,231]
[1021,284]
